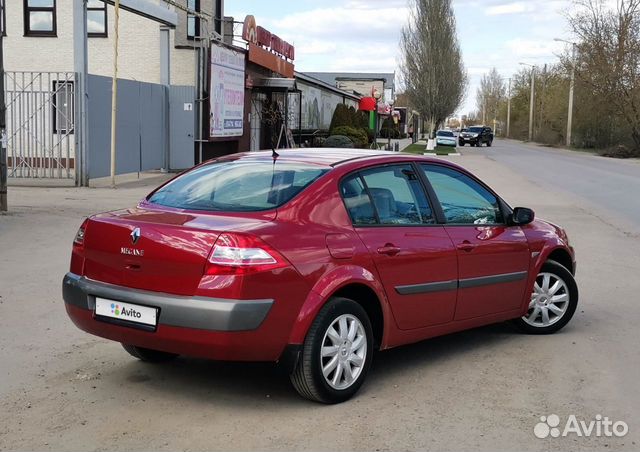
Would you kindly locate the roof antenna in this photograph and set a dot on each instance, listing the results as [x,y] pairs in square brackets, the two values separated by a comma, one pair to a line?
[274,154]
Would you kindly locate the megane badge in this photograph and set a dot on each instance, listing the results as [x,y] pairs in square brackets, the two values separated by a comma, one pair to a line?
[135,235]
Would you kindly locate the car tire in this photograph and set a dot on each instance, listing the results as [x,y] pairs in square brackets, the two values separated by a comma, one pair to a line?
[319,374]
[489,143]
[148,355]
[535,321]
[461,143]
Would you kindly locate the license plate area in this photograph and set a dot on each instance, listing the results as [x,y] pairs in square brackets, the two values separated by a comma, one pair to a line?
[126,314]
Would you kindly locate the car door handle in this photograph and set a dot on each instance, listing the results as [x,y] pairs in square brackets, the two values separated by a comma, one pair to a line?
[466,246]
[389,249]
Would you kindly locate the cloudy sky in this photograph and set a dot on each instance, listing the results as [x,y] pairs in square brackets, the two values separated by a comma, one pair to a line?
[363,35]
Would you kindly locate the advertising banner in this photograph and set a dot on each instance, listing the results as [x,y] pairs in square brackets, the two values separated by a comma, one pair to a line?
[226,92]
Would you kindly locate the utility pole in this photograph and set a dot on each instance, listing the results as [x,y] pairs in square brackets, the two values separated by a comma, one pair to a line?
[509,110]
[531,101]
[533,96]
[4,206]
[114,93]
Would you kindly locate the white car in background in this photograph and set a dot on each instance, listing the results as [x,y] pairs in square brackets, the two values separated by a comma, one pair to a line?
[445,138]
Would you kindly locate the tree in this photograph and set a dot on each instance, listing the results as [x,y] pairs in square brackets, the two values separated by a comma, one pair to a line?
[490,94]
[432,70]
[608,60]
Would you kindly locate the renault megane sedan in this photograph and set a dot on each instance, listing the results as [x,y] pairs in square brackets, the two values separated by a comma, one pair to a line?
[316,258]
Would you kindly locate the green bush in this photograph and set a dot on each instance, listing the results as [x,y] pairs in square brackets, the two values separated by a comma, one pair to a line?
[357,136]
[341,117]
[385,132]
[338,141]
[362,119]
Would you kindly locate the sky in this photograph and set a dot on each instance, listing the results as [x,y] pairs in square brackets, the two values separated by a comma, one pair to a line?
[363,35]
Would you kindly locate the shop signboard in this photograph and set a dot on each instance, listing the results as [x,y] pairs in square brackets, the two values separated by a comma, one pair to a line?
[226,92]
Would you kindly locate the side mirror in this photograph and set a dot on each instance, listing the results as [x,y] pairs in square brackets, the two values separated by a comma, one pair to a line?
[521,216]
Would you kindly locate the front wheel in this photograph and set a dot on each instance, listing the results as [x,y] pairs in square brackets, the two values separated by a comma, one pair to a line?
[489,143]
[553,301]
[337,353]
[461,143]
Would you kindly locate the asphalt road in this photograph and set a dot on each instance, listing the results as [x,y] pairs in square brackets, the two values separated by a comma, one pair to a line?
[611,185]
[484,389]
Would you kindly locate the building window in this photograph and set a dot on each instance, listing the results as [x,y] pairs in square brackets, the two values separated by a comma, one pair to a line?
[193,22]
[96,19]
[62,105]
[40,17]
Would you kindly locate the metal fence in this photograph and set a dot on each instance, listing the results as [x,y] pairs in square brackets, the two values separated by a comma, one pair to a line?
[40,120]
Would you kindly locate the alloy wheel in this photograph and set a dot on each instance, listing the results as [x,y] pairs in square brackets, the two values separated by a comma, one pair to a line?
[549,301]
[344,351]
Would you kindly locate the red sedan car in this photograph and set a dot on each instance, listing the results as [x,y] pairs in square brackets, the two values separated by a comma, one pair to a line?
[316,258]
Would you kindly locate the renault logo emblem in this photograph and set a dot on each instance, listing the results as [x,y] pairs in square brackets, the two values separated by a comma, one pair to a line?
[135,235]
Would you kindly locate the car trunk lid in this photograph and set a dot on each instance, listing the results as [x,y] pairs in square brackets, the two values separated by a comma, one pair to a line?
[157,249]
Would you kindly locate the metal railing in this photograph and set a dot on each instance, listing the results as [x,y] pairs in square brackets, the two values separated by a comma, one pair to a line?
[40,123]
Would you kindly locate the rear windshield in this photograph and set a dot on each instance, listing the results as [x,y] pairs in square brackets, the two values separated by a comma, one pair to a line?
[475,129]
[444,133]
[237,186]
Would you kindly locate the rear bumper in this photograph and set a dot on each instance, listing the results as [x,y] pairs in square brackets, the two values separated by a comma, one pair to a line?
[196,326]
[446,143]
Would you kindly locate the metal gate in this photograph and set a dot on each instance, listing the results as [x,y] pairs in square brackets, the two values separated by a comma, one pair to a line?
[40,117]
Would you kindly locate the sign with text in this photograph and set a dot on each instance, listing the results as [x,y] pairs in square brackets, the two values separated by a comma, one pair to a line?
[226,92]
[257,35]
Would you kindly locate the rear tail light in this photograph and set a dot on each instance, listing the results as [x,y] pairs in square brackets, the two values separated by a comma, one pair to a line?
[79,239]
[234,254]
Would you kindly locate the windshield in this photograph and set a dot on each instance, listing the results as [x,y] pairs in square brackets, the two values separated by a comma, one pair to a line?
[444,133]
[475,129]
[237,186]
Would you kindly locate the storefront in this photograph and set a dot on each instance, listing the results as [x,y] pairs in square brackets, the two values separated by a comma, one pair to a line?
[258,101]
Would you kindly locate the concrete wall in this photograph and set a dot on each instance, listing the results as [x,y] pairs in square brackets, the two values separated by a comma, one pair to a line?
[139,49]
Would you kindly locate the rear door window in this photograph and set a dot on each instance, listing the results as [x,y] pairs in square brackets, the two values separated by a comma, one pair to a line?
[237,186]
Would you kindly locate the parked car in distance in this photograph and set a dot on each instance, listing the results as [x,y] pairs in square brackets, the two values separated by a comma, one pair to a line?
[476,136]
[445,138]
[315,258]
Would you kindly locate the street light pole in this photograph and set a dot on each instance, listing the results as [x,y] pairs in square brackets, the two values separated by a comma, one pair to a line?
[376,95]
[571,87]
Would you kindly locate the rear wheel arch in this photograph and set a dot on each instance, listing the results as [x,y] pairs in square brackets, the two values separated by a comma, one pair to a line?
[366,297]
[363,291]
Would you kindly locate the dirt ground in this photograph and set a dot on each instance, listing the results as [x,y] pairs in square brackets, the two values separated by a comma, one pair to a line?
[483,389]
